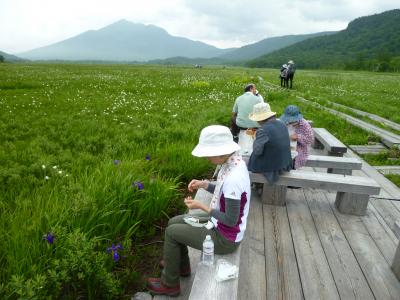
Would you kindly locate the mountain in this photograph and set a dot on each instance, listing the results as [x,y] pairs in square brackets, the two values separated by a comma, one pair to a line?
[269,45]
[366,38]
[9,57]
[124,41]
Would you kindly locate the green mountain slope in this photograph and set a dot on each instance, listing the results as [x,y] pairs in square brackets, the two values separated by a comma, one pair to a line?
[124,41]
[365,38]
[269,45]
[9,57]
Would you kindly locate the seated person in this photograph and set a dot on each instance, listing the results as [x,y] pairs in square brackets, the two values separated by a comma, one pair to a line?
[240,117]
[300,132]
[228,211]
[271,149]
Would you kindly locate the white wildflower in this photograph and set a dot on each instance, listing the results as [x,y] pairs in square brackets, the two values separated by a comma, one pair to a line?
[43,167]
[46,177]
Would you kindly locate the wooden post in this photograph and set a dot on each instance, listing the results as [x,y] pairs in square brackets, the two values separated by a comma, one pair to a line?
[353,204]
[396,263]
[338,171]
[396,259]
[274,194]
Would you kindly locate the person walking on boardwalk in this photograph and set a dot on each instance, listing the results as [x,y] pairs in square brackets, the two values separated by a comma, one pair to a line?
[271,149]
[291,69]
[227,213]
[283,75]
[300,132]
[240,117]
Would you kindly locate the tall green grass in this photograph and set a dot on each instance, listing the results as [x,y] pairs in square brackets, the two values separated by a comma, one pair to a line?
[74,142]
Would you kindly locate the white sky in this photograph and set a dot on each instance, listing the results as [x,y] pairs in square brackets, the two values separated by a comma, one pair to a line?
[28,24]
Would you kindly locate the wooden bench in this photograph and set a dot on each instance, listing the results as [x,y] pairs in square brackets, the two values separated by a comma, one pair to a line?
[336,165]
[204,284]
[323,139]
[352,191]
[396,259]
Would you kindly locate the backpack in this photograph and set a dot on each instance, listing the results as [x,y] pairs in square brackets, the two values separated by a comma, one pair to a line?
[290,69]
[284,73]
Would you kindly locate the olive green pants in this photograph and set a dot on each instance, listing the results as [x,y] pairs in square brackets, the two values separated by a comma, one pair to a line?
[178,236]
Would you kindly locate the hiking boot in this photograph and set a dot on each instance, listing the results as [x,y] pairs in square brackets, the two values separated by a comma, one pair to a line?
[185,272]
[156,287]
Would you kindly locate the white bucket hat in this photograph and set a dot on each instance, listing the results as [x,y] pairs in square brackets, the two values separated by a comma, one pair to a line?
[261,111]
[215,140]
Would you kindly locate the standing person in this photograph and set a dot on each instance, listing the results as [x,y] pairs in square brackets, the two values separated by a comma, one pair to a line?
[240,117]
[228,210]
[302,134]
[291,69]
[271,149]
[283,75]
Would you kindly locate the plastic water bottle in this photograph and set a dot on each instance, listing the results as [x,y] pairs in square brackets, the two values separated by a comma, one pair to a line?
[208,251]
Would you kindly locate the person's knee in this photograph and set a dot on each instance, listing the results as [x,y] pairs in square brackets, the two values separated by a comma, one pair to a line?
[176,220]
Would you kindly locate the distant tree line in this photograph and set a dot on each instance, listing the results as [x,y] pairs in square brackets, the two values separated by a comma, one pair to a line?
[1,58]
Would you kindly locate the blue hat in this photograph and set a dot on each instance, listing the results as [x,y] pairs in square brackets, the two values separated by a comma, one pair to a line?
[291,114]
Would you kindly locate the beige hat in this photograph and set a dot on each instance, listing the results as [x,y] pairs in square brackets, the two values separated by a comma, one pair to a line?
[261,111]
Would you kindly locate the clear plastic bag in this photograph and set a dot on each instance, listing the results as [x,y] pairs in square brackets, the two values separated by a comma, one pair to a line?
[225,270]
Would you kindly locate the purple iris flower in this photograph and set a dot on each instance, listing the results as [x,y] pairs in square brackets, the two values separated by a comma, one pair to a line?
[148,156]
[49,237]
[114,251]
[116,162]
[139,185]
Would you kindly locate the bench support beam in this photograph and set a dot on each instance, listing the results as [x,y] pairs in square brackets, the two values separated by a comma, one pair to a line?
[396,263]
[274,194]
[353,204]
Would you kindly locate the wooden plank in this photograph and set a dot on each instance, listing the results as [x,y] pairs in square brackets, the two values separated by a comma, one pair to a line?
[369,115]
[388,138]
[382,235]
[324,161]
[381,279]
[368,149]
[282,275]
[205,286]
[396,263]
[330,142]
[388,169]
[342,183]
[315,274]
[252,282]
[348,276]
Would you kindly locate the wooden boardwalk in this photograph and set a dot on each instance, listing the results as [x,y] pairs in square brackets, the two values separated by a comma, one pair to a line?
[308,250]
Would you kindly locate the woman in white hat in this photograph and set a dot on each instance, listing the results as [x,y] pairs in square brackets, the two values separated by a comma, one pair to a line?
[271,149]
[227,212]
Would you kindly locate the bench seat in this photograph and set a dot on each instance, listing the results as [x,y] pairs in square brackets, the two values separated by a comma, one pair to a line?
[352,191]
[330,143]
[339,165]
[204,284]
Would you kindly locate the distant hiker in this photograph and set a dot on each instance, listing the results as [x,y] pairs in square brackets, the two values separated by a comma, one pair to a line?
[283,75]
[240,117]
[226,214]
[300,132]
[291,69]
[271,149]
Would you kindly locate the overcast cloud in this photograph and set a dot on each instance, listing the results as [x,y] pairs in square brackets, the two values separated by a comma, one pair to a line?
[26,24]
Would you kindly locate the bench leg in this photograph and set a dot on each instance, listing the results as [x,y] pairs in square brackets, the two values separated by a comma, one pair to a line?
[396,263]
[353,204]
[274,194]
[337,171]
[317,144]
[340,171]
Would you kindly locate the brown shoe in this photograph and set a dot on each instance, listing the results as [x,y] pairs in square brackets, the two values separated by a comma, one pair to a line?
[156,287]
[185,272]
